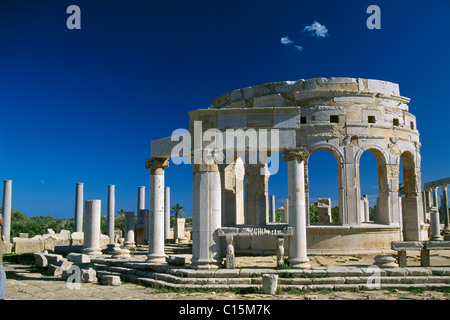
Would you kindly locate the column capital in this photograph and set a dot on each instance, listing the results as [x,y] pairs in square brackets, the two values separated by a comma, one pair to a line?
[290,154]
[157,165]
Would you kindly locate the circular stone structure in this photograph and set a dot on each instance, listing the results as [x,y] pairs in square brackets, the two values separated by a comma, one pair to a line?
[345,116]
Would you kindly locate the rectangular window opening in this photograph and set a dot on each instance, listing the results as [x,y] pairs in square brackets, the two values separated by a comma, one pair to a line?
[396,122]
[371,119]
[412,125]
[334,119]
[302,119]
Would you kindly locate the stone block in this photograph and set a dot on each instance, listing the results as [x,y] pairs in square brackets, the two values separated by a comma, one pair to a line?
[89,275]
[32,245]
[77,238]
[269,283]
[176,261]
[40,260]
[406,245]
[110,280]
[78,258]
[437,245]
[53,258]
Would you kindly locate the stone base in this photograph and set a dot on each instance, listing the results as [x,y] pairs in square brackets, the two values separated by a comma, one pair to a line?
[299,263]
[156,258]
[92,251]
[182,240]
[385,261]
[205,265]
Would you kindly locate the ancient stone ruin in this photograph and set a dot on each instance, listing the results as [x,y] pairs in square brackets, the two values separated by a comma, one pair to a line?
[345,116]
[232,145]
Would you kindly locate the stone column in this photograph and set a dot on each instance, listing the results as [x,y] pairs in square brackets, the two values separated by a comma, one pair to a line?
[446,231]
[141,234]
[156,210]
[92,210]
[272,209]
[435,226]
[129,230]
[79,207]
[296,186]
[206,216]
[435,197]
[141,198]
[111,212]
[7,195]
[167,213]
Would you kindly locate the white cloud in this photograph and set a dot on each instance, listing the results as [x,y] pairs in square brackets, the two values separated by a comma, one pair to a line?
[316,29]
[299,48]
[286,40]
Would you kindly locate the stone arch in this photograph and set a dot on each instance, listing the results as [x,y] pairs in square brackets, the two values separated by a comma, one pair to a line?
[336,154]
[387,203]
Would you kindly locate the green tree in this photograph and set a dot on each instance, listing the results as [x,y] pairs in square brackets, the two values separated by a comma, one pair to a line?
[177,210]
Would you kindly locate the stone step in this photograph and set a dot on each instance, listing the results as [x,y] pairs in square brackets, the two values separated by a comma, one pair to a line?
[286,280]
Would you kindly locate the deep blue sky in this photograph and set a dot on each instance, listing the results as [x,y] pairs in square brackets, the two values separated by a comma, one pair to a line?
[84,105]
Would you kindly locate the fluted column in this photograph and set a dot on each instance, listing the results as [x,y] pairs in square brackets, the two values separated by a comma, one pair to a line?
[156,210]
[79,207]
[296,187]
[206,216]
[7,192]
[111,212]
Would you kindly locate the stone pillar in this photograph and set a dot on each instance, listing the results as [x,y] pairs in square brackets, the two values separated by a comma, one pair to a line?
[178,230]
[167,213]
[349,190]
[232,179]
[92,211]
[206,216]
[286,211]
[156,210]
[272,209]
[324,210]
[256,194]
[435,226]
[446,231]
[296,185]
[141,235]
[79,207]
[129,230]
[111,212]
[7,196]
[365,209]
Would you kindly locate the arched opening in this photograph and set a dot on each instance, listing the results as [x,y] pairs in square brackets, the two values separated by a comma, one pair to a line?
[323,188]
[369,175]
